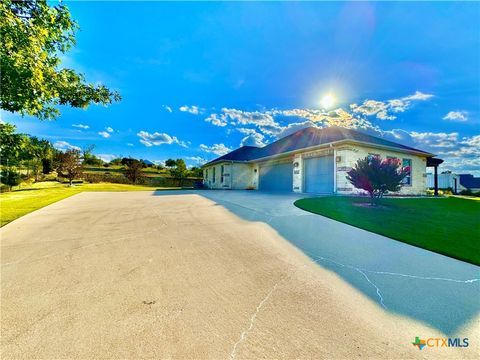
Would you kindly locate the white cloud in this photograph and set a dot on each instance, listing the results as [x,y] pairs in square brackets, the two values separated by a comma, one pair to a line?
[156,139]
[167,108]
[195,110]
[81,126]
[418,96]
[130,144]
[63,145]
[257,118]
[196,159]
[109,129]
[107,157]
[253,138]
[459,154]
[104,134]
[159,162]
[456,116]
[217,120]
[217,149]
[383,109]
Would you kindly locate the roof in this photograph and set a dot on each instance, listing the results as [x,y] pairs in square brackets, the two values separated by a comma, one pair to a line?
[310,137]
[244,153]
[470,182]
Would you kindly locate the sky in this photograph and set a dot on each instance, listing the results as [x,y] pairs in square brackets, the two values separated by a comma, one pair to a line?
[200,79]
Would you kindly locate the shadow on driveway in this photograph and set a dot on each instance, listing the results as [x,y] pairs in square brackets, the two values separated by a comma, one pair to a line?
[437,290]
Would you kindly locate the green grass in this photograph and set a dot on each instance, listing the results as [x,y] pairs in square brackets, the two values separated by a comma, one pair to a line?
[449,226]
[33,197]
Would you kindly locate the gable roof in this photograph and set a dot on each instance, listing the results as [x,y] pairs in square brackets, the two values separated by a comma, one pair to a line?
[469,181]
[243,153]
[310,137]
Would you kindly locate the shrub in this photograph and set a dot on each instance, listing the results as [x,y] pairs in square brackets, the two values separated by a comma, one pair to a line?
[467,192]
[97,178]
[10,178]
[377,176]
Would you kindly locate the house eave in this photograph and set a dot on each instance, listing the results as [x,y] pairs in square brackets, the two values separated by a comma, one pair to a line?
[222,161]
[341,142]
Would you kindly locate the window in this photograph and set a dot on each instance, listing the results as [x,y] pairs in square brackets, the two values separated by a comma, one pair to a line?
[206,174]
[407,164]
[222,171]
[213,175]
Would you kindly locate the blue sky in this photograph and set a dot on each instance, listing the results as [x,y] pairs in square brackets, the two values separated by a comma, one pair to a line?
[198,79]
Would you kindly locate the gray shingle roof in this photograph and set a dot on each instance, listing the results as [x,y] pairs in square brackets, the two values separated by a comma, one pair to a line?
[310,137]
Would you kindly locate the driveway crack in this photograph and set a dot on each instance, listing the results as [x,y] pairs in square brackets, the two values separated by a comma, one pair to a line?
[260,305]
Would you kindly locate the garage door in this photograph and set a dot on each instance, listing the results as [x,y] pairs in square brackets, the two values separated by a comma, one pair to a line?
[276,177]
[318,175]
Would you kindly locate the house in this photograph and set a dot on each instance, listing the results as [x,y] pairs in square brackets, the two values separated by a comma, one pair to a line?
[313,160]
[469,182]
[446,180]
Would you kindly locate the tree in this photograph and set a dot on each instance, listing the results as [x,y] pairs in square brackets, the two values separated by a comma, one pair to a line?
[47,166]
[117,161]
[179,172]
[377,176]
[170,163]
[12,145]
[196,172]
[69,164]
[33,38]
[10,178]
[89,158]
[133,172]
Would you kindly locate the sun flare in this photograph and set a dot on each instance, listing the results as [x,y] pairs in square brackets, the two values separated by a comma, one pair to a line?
[328,101]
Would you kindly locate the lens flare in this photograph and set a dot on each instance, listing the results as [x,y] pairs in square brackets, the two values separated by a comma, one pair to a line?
[328,101]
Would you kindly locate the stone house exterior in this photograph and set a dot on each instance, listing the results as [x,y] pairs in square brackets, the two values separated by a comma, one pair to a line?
[311,160]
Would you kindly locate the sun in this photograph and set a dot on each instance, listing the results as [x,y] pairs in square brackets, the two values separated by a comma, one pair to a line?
[328,101]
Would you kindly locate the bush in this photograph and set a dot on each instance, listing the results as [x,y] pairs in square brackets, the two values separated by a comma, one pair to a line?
[10,178]
[377,176]
[467,192]
[98,178]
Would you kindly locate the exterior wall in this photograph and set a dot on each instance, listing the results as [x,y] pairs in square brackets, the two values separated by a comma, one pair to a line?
[235,176]
[243,176]
[445,181]
[298,173]
[208,177]
[346,156]
[246,175]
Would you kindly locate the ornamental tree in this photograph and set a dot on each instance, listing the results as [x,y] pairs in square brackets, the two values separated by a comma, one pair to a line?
[33,37]
[69,164]
[377,176]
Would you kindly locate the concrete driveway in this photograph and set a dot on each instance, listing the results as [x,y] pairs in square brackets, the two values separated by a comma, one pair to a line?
[211,275]
[438,290]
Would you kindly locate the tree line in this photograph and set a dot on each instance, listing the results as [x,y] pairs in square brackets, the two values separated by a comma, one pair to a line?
[24,157]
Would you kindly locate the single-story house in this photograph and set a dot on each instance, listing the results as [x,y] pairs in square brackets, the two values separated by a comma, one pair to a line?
[469,182]
[313,160]
[446,180]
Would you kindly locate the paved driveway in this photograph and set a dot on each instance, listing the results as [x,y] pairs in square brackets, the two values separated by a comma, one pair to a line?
[209,275]
[438,290]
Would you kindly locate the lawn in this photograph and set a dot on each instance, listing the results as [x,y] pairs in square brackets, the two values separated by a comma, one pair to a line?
[30,198]
[449,226]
